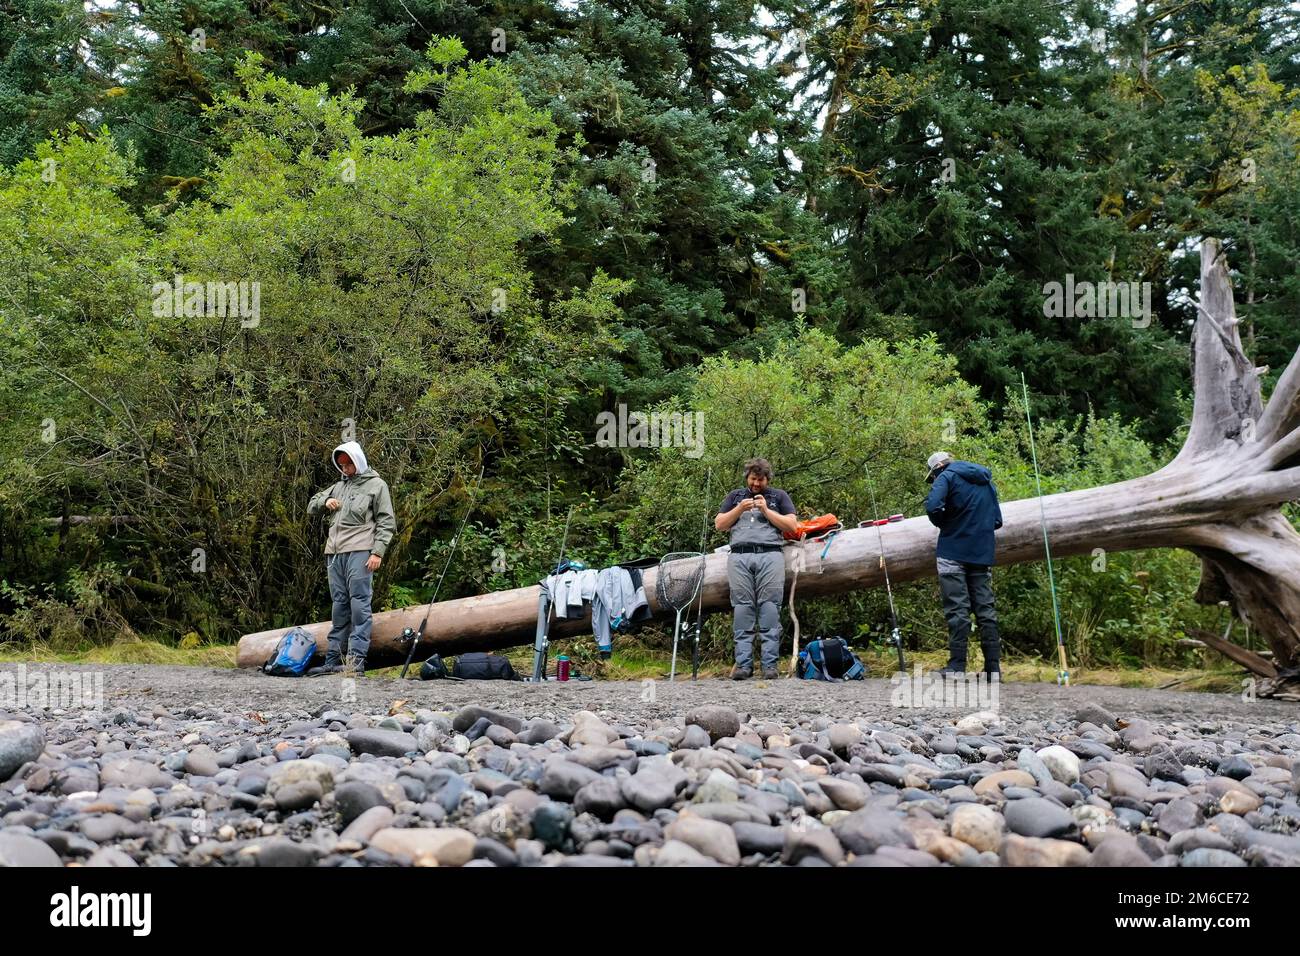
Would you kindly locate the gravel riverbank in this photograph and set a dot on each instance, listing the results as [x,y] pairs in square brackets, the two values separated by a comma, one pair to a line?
[198,767]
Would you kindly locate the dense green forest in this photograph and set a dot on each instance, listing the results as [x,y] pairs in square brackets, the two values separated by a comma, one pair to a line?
[459,231]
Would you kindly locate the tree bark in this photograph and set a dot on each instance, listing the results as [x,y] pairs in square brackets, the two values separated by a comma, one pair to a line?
[1220,498]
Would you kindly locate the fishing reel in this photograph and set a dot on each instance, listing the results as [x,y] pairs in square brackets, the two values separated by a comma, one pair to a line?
[408,635]
[886,636]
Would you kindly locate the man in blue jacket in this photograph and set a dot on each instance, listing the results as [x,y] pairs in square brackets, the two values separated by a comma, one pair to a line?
[963,505]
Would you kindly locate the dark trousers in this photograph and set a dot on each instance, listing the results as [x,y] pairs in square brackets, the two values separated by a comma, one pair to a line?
[965,588]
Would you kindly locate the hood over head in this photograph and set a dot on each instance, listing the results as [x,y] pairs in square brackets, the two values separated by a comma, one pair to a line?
[353,450]
[975,474]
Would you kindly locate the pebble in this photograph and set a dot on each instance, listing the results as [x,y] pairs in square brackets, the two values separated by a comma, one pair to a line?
[112,857]
[867,830]
[466,717]
[551,823]
[719,787]
[718,721]
[845,794]
[803,843]
[1119,849]
[201,762]
[18,849]
[694,737]
[977,825]
[1208,856]
[653,785]
[449,846]
[991,785]
[672,853]
[602,798]
[20,742]
[715,840]
[134,774]
[1033,851]
[590,729]
[1178,815]
[1061,764]
[758,838]
[538,732]
[382,743]
[1037,817]
[1033,765]
[562,779]
[1094,713]
[298,796]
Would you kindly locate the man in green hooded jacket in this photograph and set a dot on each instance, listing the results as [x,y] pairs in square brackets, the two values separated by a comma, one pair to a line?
[362,526]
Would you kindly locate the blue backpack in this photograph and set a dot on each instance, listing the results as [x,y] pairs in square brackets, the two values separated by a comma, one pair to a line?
[292,654]
[829,659]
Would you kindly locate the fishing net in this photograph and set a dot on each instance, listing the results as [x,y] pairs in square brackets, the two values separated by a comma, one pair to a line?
[680,574]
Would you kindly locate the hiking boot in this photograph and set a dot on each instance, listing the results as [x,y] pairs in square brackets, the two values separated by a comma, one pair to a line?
[952,670]
[769,673]
[329,667]
[741,673]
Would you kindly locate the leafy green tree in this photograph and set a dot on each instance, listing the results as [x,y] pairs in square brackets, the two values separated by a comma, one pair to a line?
[390,302]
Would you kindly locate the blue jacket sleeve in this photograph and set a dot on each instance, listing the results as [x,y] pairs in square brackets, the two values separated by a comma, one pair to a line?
[997,508]
[936,500]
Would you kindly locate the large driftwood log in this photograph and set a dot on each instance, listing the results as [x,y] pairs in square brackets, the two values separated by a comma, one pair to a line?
[1220,498]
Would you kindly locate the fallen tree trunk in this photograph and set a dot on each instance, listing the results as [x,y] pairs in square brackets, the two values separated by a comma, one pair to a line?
[1235,652]
[1220,498]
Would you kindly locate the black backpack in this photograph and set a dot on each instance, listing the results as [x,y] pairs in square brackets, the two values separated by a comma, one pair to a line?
[479,666]
[830,659]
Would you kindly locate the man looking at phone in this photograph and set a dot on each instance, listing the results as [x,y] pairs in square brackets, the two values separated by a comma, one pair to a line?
[756,516]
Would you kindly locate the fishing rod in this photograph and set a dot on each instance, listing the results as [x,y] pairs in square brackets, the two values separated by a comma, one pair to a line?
[415,636]
[895,635]
[699,609]
[1063,674]
[542,642]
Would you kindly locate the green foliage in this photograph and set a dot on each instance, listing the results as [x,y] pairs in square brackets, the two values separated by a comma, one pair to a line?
[828,417]
[393,304]
[734,207]
[820,412]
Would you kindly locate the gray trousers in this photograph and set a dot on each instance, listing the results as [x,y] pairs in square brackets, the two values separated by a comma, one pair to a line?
[350,589]
[757,583]
[966,587]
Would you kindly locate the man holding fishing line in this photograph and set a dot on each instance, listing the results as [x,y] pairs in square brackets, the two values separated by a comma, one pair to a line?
[756,516]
